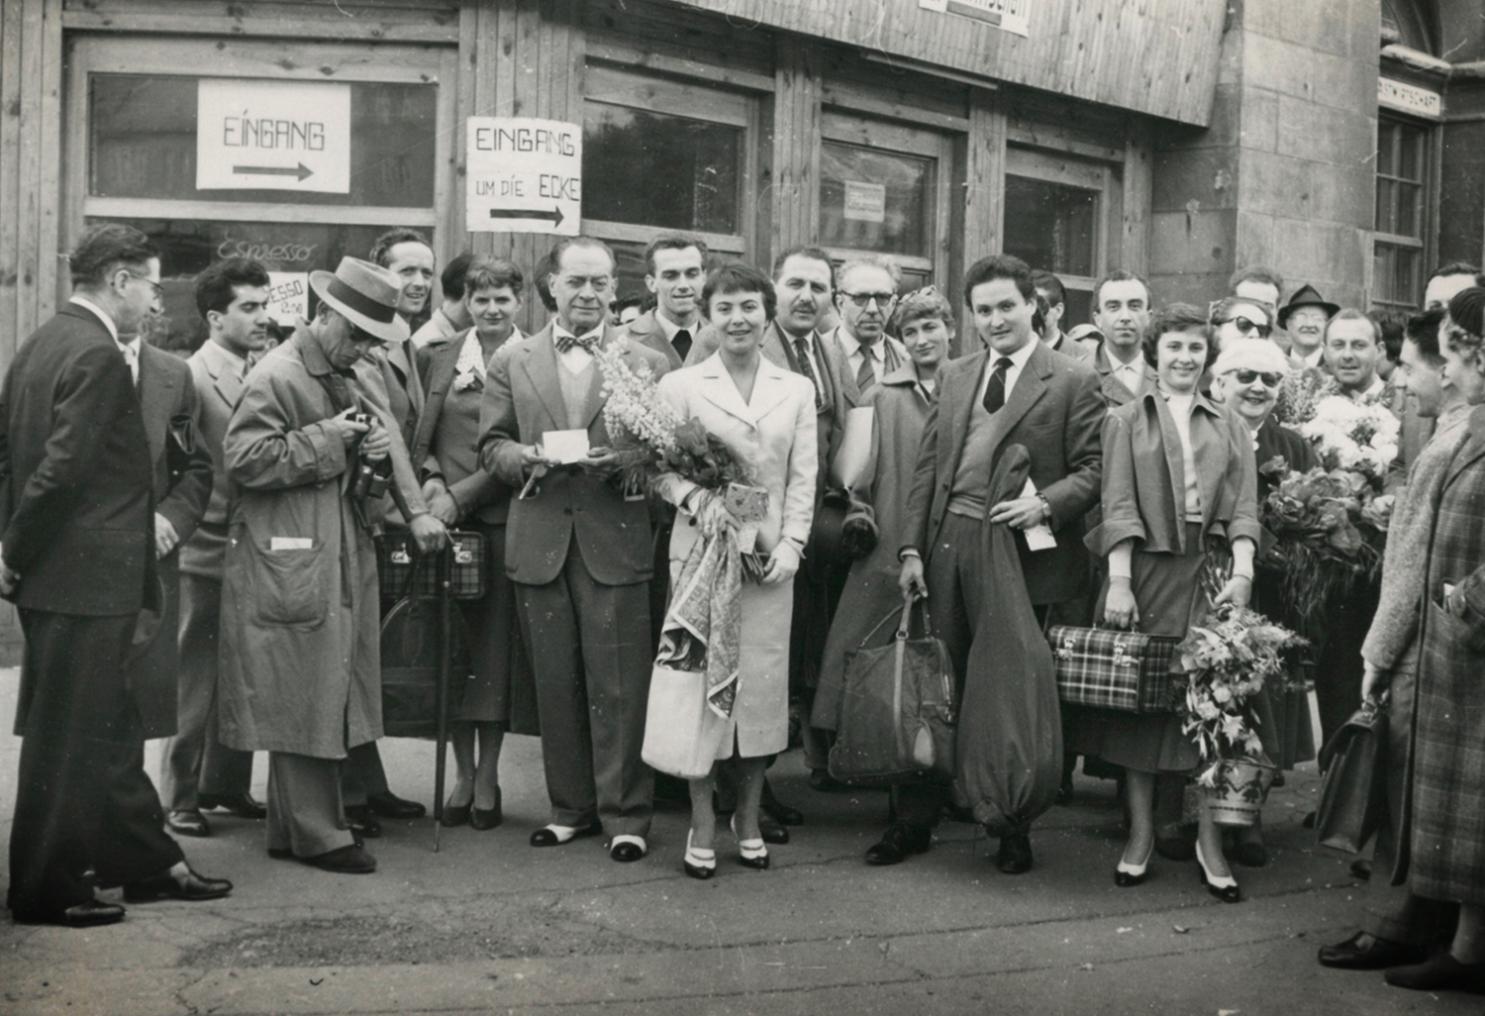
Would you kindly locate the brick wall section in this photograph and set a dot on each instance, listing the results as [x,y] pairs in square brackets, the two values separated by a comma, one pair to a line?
[1284,174]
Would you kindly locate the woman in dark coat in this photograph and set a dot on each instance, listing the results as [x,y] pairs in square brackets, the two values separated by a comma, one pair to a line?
[1179,482]
[1446,806]
[462,494]
[1246,378]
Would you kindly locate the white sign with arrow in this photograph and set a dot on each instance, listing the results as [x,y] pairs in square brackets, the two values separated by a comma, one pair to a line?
[273,135]
[524,175]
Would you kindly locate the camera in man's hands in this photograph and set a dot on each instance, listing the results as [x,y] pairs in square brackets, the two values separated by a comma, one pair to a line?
[371,479]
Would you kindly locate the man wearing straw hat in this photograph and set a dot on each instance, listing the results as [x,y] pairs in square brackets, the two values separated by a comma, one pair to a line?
[300,660]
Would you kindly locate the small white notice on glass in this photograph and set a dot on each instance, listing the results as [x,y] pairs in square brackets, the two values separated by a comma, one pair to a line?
[288,297]
[565,446]
[1039,536]
[866,202]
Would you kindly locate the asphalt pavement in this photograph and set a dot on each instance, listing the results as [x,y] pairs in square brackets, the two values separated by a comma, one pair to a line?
[489,924]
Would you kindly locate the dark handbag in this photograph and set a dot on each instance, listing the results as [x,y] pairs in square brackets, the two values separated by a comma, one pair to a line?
[1105,668]
[897,707]
[410,641]
[397,556]
[1354,786]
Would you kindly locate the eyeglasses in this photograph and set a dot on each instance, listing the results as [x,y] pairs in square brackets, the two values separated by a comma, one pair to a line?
[1247,326]
[159,290]
[863,300]
[1247,377]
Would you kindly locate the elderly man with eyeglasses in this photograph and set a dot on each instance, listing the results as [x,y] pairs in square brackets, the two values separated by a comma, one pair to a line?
[866,299]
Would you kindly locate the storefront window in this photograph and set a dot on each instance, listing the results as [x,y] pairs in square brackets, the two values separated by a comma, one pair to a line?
[697,161]
[143,143]
[874,200]
[1402,186]
[1051,225]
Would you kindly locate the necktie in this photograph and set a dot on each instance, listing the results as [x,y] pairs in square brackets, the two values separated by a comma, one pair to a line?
[995,390]
[802,351]
[865,376]
[131,358]
[566,342]
[682,343]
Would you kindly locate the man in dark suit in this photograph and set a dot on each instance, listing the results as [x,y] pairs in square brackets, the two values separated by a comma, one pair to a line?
[1014,391]
[78,544]
[580,553]
[198,772]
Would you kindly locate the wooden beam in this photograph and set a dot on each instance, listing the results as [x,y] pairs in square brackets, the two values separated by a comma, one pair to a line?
[189,23]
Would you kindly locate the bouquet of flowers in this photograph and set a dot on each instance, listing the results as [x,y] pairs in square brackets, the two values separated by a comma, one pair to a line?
[1299,393]
[1356,436]
[1226,661]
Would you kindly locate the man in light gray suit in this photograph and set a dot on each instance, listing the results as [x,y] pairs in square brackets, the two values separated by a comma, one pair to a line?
[579,550]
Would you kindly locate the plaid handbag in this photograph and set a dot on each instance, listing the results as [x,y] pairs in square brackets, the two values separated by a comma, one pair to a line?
[1125,670]
[404,572]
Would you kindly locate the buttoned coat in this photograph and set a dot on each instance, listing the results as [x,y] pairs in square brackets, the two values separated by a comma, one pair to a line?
[522,401]
[300,659]
[1055,411]
[218,380]
[479,495]
[1144,478]
[1446,809]
[167,399]
[900,409]
[1114,391]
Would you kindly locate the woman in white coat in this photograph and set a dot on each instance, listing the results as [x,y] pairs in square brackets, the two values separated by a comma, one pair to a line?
[766,415]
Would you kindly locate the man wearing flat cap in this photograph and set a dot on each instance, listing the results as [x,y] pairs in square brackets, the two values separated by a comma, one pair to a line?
[1304,317]
[300,659]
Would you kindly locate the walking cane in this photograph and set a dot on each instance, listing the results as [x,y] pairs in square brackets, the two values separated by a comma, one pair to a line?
[441,695]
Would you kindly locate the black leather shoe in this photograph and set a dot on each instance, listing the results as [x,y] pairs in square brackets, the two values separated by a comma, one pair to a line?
[456,815]
[487,818]
[242,805]
[1064,793]
[281,853]
[1014,856]
[352,860]
[187,822]
[1361,868]
[389,805]
[899,841]
[821,780]
[1440,972]
[88,914]
[627,849]
[781,812]
[772,829]
[362,822]
[165,886]
[547,836]
[1367,952]
[1175,848]
[1309,821]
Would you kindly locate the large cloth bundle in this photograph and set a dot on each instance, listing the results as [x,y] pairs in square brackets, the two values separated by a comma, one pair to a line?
[896,720]
[1010,722]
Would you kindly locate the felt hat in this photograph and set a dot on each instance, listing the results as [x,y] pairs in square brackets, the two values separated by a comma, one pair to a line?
[1305,296]
[366,295]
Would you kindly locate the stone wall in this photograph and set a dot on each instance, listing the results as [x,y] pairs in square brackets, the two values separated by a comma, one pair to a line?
[1284,174]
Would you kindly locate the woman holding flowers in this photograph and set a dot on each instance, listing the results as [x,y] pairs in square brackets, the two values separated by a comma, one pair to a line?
[765,416]
[1447,804]
[1179,498]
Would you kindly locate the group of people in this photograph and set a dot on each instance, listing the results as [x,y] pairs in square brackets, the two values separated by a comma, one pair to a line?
[217,522]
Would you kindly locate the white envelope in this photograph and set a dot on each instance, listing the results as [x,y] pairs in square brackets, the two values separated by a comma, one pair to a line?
[565,446]
[1039,536]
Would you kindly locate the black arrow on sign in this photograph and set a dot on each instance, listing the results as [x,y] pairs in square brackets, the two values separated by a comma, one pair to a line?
[301,171]
[518,213]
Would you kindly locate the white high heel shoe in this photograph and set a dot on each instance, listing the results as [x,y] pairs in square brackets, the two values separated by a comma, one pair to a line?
[1224,887]
[699,863]
[750,853]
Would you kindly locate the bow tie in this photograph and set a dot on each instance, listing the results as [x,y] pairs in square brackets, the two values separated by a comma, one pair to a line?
[566,342]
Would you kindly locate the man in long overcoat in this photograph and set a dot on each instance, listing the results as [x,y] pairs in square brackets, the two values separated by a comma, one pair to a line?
[300,659]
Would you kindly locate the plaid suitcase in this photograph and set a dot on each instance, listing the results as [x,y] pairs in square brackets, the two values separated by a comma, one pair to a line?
[403,572]
[1125,670]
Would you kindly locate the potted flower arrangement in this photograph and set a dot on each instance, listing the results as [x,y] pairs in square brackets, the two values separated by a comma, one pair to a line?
[1225,662]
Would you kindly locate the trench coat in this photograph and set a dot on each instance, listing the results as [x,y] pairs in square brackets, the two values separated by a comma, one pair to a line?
[1446,806]
[300,660]
[900,410]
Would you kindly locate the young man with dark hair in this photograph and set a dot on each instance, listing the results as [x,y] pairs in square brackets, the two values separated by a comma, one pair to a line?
[1122,305]
[1447,280]
[675,268]
[198,772]
[1012,391]
[449,318]
[84,574]
[1049,289]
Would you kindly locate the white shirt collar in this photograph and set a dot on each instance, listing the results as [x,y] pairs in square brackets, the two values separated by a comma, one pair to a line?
[669,327]
[853,345]
[1018,358]
[113,329]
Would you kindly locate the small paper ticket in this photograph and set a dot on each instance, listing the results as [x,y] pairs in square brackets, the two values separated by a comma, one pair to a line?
[565,446]
[1039,536]
[290,543]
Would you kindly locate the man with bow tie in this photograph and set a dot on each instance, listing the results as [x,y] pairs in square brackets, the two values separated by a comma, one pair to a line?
[580,553]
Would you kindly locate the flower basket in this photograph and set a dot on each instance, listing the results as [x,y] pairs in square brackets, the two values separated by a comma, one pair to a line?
[1238,789]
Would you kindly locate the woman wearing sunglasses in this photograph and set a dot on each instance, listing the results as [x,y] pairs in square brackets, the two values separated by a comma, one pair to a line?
[1179,506]
[1246,378]
[1236,318]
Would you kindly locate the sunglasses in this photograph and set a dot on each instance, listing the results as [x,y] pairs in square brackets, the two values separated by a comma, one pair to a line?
[862,299]
[1247,377]
[1247,326]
